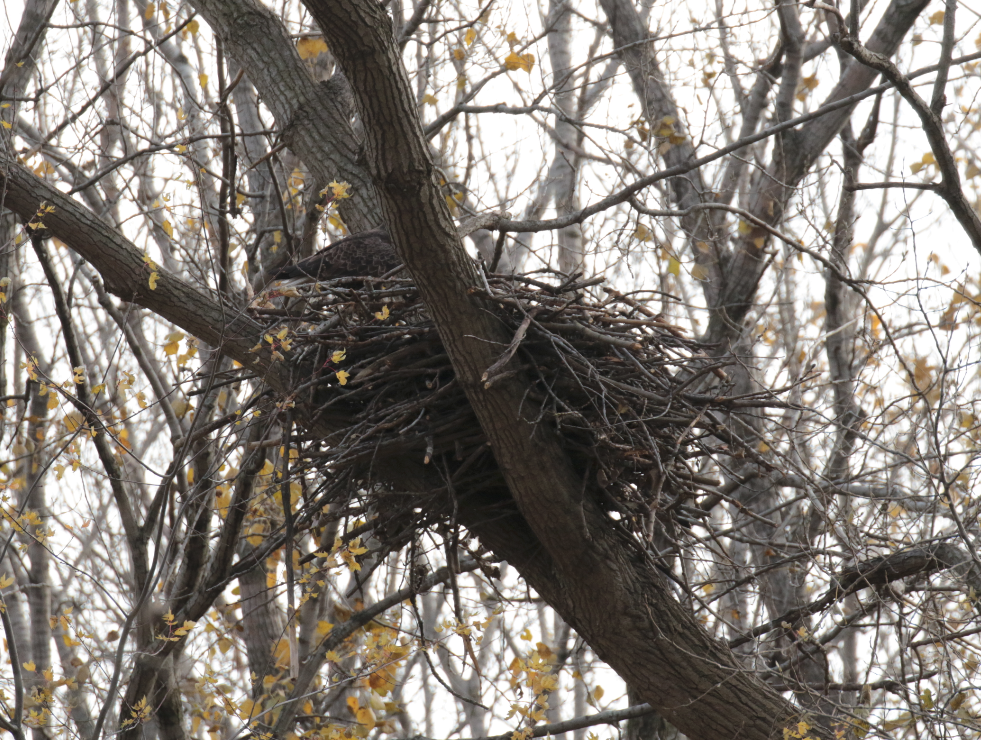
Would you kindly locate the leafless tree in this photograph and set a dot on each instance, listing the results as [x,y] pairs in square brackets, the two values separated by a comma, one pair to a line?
[193,543]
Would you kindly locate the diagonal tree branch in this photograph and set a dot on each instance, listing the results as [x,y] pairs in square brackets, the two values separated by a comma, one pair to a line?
[562,543]
[949,187]
[313,117]
[794,158]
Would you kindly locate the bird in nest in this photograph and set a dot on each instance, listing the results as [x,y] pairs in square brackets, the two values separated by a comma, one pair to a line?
[365,254]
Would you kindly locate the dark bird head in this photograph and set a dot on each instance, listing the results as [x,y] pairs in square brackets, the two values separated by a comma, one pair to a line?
[365,254]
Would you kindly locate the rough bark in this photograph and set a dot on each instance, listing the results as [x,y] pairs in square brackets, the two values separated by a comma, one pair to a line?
[18,62]
[795,153]
[312,116]
[37,586]
[573,555]
[566,165]
[566,547]
[663,116]
[560,541]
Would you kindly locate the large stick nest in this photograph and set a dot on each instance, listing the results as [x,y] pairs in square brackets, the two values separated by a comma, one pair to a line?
[614,379]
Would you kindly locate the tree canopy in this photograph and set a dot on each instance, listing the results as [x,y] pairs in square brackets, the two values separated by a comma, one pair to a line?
[669,419]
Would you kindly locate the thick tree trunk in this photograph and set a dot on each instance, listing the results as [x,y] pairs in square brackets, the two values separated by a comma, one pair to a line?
[565,168]
[795,153]
[560,541]
[563,545]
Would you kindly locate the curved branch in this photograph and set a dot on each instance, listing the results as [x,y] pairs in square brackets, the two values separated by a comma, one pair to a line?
[561,543]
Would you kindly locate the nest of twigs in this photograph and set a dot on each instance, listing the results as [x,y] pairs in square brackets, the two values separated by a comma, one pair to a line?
[616,381]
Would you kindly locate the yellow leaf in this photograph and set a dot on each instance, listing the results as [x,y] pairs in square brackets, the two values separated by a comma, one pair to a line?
[342,376]
[926,699]
[900,721]
[469,37]
[699,272]
[52,401]
[6,581]
[642,233]
[7,124]
[922,374]
[311,47]
[674,266]
[383,314]
[937,18]
[246,709]
[598,693]
[141,399]
[168,229]
[173,342]
[428,99]
[459,53]
[526,634]
[151,8]
[366,717]
[515,61]
[193,27]
[203,79]
[339,355]
[153,280]
[340,189]
[29,666]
